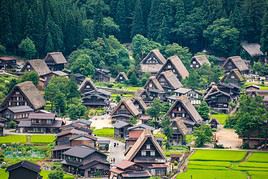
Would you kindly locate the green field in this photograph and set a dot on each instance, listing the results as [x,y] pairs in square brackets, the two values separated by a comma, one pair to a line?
[222,164]
[105,132]
[35,139]
[220,117]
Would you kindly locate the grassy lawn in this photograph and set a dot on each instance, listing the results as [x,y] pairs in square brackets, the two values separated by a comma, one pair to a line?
[105,132]
[43,138]
[222,164]
[220,117]
[258,157]
[119,86]
[218,155]
[13,139]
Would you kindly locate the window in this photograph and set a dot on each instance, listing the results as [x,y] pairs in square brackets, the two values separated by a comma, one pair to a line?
[143,153]
[150,85]
[152,153]
[148,146]
[183,114]
[194,62]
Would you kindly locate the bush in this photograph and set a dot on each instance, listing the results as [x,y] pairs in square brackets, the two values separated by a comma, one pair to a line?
[11,124]
[230,122]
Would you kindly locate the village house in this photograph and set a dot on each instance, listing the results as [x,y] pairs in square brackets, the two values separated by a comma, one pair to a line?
[217,99]
[154,90]
[17,113]
[24,168]
[179,132]
[92,96]
[233,77]
[24,94]
[102,75]
[236,62]
[175,64]
[153,62]
[55,61]
[142,107]
[79,78]
[59,74]
[252,52]
[252,87]
[8,62]
[2,125]
[39,66]
[183,109]
[193,95]
[120,129]
[147,153]
[127,169]
[79,124]
[38,122]
[198,61]
[124,111]
[134,133]
[85,161]
[121,77]
[145,96]
[169,81]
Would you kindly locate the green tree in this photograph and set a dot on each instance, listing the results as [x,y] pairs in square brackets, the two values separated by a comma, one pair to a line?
[167,129]
[164,32]
[30,76]
[110,27]
[203,110]
[2,49]
[133,80]
[138,26]
[27,47]
[76,111]
[82,64]
[98,29]
[133,120]
[154,20]
[264,34]
[222,37]
[56,174]
[203,134]
[120,18]
[180,15]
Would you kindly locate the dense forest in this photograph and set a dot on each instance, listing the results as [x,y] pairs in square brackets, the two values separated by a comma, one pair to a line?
[217,26]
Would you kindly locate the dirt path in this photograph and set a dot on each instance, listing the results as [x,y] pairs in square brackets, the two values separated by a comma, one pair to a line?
[228,138]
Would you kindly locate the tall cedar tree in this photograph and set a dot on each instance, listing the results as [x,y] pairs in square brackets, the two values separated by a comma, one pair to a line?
[98,20]
[264,34]
[213,9]
[138,26]
[180,16]
[163,35]
[154,20]
[121,20]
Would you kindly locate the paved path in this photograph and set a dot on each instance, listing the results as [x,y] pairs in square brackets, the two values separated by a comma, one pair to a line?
[228,138]
[100,122]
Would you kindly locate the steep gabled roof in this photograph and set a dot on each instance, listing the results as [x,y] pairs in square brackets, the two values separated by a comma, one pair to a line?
[155,83]
[129,105]
[201,59]
[237,73]
[179,66]
[39,66]
[253,49]
[25,164]
[123,74]
[87,81]
[140,101]
[239,63]
[181,126]
[57,57]
[157,54]
[188,107]
[171,79]
[146,134]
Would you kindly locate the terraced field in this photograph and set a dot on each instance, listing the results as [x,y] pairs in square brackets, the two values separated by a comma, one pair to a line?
[222,164]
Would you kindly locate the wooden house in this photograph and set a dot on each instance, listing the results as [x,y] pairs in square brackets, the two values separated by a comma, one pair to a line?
[179,131]
[102,75]
[252,87]
[169,81]
[236,62]
[142,107]
[153,62]
[198,61]
[24,169]
[79,78]
[40,123]
[184,109]
[17,113]
[134,133]
[80,124]
[193,95]
[145,96]
[121,77]
[218,99]
[55,61]
[233,77]
[154,89]
[86,162]
[24,94]
[175,64]
[120,129]
[124,111]
[2,129]
[147,153]
[252,51]
[92,96]
[127,169]
[8,62]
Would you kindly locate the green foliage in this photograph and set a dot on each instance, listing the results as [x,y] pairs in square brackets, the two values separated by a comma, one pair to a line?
[138,26]
[81,63]
[56,174]
[203,134]
[223,38]
[203,110]
[260,68]
[167,129]
[27,48]
[2,49]
[133,120]
[76,110]
[264,34]
[30,76]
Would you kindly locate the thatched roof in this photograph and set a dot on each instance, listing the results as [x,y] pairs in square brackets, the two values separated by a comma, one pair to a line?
[123,74]
[201,59]
[140,101]
[57,57]
[236,73]
[239,63]
[171,79]
[181,126]
[253,49]
[86,82]
[155,82]
[129,105]
[39,66]
[179,66]
[156,53]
